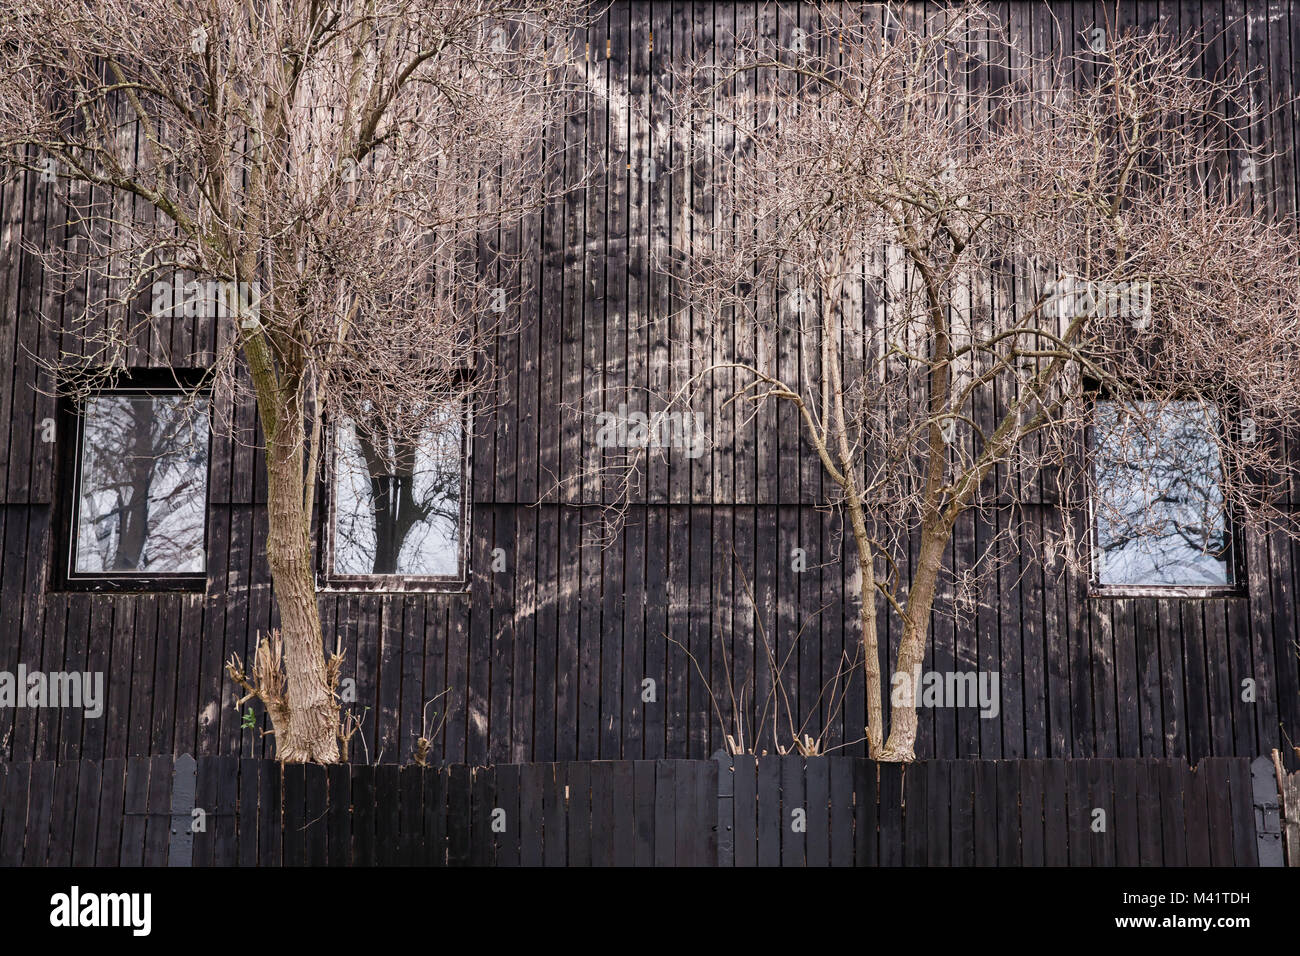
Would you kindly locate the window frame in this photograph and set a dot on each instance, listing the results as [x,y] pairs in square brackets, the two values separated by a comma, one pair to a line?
[1236,542]
[328,581]
[71,420]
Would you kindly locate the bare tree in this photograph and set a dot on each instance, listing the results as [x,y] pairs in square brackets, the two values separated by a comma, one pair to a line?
[959,264]
[337,168]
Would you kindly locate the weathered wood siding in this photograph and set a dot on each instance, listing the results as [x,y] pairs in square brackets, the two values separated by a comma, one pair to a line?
[725,813]
[546,660]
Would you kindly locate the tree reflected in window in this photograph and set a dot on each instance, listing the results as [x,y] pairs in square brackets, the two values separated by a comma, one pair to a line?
[142,485]
[398,498]
[1160,518]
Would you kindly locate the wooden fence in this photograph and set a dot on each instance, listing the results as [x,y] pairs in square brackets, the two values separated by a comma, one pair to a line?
[742,811]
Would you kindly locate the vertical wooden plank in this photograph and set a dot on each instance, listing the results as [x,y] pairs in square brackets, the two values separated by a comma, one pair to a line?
[435,817]
[656,628]
[224,815]
[1197,820]
[339,829]
[1101,786]
[316,815]
[250,810]
[1171,679]
[939,823]
[529,829]
[205,799]
[794,806]
[744,797]
[962,789]
[387,814]
[679,673]
[54,657]
[1078,808]
[1146,644]
[1172,775]
[1128,707]
[458,815]
[62,819]
[985,809]
[1150,850]
[502,816]
[686,821]
[159,823]
[633,665]
[89,782]
[643,774]
[1260,780]
[817,849]
[555,811]
[890,814]
[270,815]
[1042,813]
[13,814]
[665,817]
[1009,813]
[588,648]
[623,800]
[577,781]
[135,807]
[841,811]
[410,824]
[166,671]
[524,617]
[567,667]
[915,815]
[864,816]
[482,850]
[388,634]
[700,716]
[41,797]
[1128,841]
[770,821]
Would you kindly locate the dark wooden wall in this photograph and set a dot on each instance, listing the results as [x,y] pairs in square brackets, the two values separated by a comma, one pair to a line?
[546,660]
[726,812]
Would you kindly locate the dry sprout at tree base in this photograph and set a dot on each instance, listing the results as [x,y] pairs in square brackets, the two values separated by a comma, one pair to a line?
[269,681]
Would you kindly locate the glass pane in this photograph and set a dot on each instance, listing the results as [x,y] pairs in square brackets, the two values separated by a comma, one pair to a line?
[1159,510]
[397,502]
[143,485]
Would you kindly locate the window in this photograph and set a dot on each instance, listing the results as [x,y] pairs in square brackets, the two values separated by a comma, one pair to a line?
[1159,516]
[398,502]
[139,487]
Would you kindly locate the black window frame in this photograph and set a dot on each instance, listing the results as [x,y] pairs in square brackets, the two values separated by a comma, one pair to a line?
[1236,542]
[70,421]
[328,581]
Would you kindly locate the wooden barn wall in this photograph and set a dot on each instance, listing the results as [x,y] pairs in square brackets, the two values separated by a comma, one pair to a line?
[547,660]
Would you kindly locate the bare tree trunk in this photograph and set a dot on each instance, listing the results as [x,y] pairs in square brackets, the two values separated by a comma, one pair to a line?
[911,649]
[870,637]
[310,732]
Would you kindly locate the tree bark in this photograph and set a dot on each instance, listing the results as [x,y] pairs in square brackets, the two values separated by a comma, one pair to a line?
[911,649]
[310,732]
[870,636]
